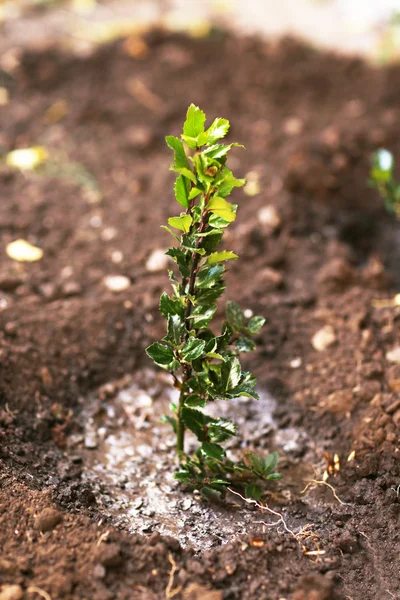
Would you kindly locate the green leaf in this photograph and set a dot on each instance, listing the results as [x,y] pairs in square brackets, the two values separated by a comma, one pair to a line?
[186,172]
[194,400]
[209,276]
[213,450]
[219,151]
[245,344]
[217,130]
[270,463]
[226,182]
[220,430]
[180,259]
[221,208]
[210,494]
[180,158]
[171,232]
[193,349]
[255,324]
[382,166]
[217,257]
[196,421]
[181,189]
[161,354]
[168,306]
[202,316]
[183,222]
[254,462]
[231,372]
[252,490]
[194,192]
[176,330]
[274,477]
[235,315]
[171,421]
[194,124]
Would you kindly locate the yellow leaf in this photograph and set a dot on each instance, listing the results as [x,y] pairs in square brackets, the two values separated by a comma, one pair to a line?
[22,251]
[4,96]
[56,111]
[27,159]
[222,208]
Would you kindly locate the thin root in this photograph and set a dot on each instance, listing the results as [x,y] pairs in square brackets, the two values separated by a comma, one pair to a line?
[169,592]
[35,590]
[315,482]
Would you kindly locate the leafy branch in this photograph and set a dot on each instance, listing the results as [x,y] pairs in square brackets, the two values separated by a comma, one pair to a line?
[205,366]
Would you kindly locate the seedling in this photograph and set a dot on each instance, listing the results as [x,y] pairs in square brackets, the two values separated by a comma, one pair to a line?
[205,366]
[382,178]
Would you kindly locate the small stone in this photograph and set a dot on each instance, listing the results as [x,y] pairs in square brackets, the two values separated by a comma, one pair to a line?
[393,355]
[91,440]
[374,274]
[271,278]
[11,592]
[48,290]
[295,363]
[139,138]
[71,288]
[22,251]
[269,216]
[198,592]
[157,261]
[337,273]
[340,401]
[9,282]
[186,504]
[396,418]
[108,234]
[293,126]
[324,338]
[109,555]
[48,519]
[117,283]
[99,572]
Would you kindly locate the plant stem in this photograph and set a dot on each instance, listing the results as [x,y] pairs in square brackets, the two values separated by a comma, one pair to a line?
[180,430]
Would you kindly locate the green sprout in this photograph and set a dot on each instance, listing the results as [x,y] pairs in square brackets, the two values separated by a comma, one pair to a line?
[382,178]
[205,366]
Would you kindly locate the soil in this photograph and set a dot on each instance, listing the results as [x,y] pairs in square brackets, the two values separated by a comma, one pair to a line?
[77,521]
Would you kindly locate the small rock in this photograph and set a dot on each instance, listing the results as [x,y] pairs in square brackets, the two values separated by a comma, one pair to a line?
[11,592]
[109,555]
[186,504]
[157,261]
[337,273]
[269,216]
[71,288]
[393,377]
[48,290]
[91,440]
[117,283]
[340,401]
[293,126]
[48,519]
[393,355]
[9,282]
[324,338]
[271,278]
[374,274]
[198,592]
[396,418]
[139,138]
[99,572]
[295,363]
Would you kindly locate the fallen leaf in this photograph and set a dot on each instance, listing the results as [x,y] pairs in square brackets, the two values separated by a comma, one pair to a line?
[27,159]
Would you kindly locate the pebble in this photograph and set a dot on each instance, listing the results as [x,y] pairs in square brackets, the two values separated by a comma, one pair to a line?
[139,138]
[271,277]
[71,288]
[48,519]
[295,363]
[336,273]
[393,355]
[324,338]
[11,592]
[340,401]
[99,572]
[22,251]
[293,126]
[48,290]
[269,216]
[109,555]
[91,440]
[157,261]
[186,504]
[9,282]
[198,592]
[396,418]
[117,283]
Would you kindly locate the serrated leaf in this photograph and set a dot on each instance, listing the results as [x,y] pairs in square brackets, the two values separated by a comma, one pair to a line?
[254,462]
[221,208]
[231,372]
[168,306]
[194,192]
[219,151]
[220,430]
[180,259]
[180,158]
[245,345]
[201,316]
[217,130]
[209,276]
[194,400]
[235,315]
[183,222]
[252,490]
[217,257]
[176,330]
[186,172]
[194,124]
[196,421]
[213,450]
[161,354]
[270,462]
[170,231]
[193,349]
[181,189]
[255,324]
[226,182]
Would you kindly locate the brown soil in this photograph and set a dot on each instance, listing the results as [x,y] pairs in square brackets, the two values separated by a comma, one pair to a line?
[309,121]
